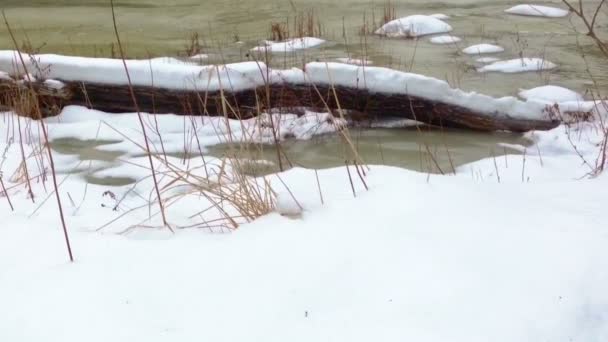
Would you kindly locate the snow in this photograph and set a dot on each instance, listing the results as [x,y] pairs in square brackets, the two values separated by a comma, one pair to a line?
[289,45]
[551,93]
[54,84]
[169,73]
[5,76]
[487,59]
[287,205]
[482,48]
[413,26]
[199,57]
[82,124]
[383,80]
[382,266]
[354,61]
[537,11]
[446,39]
[440,16]
[519,65]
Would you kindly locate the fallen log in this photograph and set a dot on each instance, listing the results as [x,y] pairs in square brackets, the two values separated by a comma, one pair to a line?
[254,94]
[249,103]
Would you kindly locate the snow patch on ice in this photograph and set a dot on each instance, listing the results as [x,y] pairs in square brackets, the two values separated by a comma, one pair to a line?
[519,65]
[413,26]
[487,59]
[551,93]
[483,48]
[289,45]
[440,16]
[446,39]
[354,61]
[537,11]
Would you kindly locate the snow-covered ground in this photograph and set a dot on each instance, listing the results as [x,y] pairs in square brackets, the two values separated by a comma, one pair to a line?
[510,248]
[517,253]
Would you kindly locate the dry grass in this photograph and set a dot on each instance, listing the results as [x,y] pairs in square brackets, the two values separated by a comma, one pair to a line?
[302,24]
[370,25]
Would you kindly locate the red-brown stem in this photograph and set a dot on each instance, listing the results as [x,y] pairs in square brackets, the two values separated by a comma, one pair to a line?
[48,145]
[350,179]
[141,121]
[6,194]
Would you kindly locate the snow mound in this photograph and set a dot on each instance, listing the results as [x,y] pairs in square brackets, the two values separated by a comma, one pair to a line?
[54,84]
[162,72]
[519,65]
[286,205]
[168,60]
[440,16]
[537,11]
[354,61]
[550,93]
[289,45]
[487,60]
[5,76]
[445,39]
[413,26]
[199,58]
[482,48]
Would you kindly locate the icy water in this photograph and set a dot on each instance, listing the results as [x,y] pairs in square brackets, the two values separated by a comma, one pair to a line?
[431,151]
[229,28]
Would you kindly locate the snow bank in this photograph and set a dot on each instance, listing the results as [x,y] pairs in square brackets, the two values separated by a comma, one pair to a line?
[413,26]
[482,48]
[551,93]
[537,11]
[519,65]
[445,39]
[289,45]
[495,265]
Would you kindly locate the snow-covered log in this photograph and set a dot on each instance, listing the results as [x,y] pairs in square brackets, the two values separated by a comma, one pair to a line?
[243,90]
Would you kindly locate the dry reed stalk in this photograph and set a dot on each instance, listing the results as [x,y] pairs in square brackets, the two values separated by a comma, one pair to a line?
[46,140]
[8,198]
[139,116]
